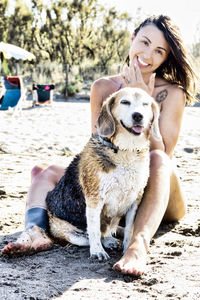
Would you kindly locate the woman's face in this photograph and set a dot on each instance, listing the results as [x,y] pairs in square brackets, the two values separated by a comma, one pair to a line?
[149,49]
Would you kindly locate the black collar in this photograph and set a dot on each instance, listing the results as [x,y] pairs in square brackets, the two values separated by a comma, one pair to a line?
[107,143]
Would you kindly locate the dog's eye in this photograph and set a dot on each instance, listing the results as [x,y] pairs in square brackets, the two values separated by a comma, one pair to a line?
[126,102]
[145,103]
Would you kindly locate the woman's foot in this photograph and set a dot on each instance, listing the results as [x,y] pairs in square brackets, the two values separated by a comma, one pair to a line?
[133,262]
[30,241]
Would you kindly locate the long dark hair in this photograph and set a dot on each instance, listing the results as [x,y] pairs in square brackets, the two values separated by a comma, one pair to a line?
[178,67]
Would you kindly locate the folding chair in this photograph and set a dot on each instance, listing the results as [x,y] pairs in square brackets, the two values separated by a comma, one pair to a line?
[42,94]
[2,90]
[11,92]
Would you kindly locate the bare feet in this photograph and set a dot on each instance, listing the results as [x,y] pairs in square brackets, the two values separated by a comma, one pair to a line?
[29,242]
[133,262]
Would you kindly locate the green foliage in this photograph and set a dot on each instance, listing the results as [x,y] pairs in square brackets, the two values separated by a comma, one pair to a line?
[20,26]
[196,50]
[5,67]
[73,33]
[3,19]
[72,89]
[69,31]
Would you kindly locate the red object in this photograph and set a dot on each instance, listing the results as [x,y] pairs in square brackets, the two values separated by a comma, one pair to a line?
[13,80]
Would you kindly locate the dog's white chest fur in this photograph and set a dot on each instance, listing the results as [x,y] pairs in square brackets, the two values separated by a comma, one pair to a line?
[112,182]
[120,187]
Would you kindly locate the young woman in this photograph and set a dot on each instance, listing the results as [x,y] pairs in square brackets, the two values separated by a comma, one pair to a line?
[158,63]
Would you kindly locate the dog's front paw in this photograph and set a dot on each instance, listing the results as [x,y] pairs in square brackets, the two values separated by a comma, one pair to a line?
[99,253]
[111,243]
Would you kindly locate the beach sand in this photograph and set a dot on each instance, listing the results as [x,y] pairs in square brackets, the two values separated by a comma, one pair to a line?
[40,135]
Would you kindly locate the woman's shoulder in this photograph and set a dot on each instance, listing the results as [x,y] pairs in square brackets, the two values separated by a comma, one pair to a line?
[166,91]
[107,82]
[163,83]
[105,86]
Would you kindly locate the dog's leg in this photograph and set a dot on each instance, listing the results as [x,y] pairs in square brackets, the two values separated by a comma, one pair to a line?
[65,231]
[94,233]
[78,238]
[108,240]
[128,230]
[120,232]
[111,242]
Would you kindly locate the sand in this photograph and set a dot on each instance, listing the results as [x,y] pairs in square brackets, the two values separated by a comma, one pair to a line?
[41,135]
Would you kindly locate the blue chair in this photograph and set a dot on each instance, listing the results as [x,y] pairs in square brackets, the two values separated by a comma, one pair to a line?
[42,94]
[12,92]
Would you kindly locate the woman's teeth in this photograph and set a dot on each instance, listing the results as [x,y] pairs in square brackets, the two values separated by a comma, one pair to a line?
[142,62]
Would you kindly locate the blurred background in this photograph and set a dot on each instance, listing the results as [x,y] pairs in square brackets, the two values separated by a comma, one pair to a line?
[78,41]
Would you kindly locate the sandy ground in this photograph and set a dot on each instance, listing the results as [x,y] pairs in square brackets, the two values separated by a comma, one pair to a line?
[40,135]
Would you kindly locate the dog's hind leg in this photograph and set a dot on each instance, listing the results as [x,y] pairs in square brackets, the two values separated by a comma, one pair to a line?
[64,231]
[78,238]
[111,242]
[120,231]
[108,240]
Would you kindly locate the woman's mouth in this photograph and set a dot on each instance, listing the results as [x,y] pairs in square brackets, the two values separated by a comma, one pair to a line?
[141,63]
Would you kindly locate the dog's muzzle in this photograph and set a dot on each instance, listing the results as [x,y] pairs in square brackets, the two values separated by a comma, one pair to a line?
[137,127]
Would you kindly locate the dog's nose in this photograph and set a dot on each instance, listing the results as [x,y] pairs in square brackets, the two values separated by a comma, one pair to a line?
[137,116]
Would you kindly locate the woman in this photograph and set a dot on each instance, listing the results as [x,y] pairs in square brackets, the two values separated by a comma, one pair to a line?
[158,63]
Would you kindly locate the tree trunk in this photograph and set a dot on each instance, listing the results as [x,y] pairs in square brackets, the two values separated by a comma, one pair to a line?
[66,80]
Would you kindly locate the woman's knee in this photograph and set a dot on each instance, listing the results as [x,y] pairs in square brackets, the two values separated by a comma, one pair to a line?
[49,174]
[159,159]
[37,170]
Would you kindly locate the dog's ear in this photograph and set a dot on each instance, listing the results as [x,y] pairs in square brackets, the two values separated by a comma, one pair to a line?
[155,124]
[105,121]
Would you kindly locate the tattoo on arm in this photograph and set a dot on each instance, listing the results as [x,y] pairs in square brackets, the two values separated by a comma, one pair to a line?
[161,96]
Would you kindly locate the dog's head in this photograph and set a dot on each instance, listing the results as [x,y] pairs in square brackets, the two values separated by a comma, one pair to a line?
[129,110]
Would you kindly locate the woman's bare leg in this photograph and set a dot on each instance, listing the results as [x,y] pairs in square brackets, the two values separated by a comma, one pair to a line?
[34,238]
[176,208]
[162,184]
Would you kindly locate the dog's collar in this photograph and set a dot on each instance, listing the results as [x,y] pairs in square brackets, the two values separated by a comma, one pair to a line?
[107,143]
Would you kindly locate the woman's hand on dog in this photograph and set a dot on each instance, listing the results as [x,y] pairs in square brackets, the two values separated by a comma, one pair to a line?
[132,77]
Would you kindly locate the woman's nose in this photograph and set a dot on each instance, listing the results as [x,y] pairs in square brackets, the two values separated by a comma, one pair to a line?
[148,53]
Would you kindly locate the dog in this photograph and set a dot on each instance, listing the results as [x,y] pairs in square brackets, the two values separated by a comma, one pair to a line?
[106,180]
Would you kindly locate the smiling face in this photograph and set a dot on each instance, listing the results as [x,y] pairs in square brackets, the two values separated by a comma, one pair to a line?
[149,49]
[134,110]
[126,118]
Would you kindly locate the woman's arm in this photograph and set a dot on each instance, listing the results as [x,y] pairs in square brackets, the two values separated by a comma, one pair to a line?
[101,89]
[170,120]
[96,100]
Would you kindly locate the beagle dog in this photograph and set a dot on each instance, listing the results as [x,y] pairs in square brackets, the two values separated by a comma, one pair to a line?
[105,182]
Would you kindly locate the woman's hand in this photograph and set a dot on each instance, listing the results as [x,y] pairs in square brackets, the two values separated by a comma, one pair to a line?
[132,77]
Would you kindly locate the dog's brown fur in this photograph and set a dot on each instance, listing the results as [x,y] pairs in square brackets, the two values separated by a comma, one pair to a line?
[110,181]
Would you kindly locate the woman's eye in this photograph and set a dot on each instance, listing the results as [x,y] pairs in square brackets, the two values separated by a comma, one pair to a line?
[126,102]
[159,52]
[145,43]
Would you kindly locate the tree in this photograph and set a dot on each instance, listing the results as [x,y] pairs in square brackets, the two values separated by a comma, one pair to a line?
[20,23]
[196,46]
[112,38]
[64,30]
[3,20]
[3,27]
[70,33]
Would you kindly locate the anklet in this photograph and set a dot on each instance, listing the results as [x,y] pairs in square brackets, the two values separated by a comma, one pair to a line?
[36,216]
